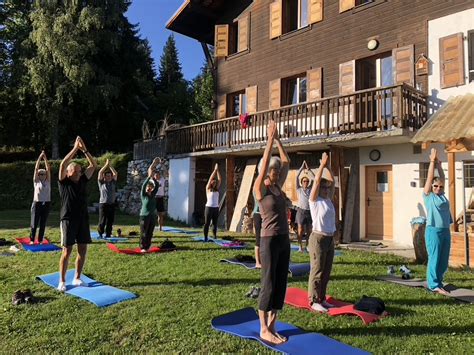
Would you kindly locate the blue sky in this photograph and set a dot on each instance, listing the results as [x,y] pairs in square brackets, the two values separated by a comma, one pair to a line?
[152,16]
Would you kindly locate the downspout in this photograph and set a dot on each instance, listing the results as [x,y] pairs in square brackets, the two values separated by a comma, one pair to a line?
[466,239]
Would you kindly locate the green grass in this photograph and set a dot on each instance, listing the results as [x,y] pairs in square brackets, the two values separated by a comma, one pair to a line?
[180,292]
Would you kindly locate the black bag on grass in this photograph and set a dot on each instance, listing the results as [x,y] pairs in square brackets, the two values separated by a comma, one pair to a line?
[167,244]
[372,305]
[245,258]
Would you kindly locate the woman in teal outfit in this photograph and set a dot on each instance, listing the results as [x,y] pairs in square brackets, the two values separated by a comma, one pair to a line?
[438,236]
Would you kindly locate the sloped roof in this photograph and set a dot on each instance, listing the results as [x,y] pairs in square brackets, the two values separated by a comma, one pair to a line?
[453,121]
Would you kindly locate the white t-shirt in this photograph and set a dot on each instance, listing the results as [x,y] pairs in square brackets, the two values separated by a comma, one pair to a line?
[212,198]
[323,215]
[161,189]
[42,191]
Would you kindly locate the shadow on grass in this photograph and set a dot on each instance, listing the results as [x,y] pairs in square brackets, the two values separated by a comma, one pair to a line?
[203,282]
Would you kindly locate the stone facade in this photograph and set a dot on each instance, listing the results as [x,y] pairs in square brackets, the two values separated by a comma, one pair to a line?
[129,197]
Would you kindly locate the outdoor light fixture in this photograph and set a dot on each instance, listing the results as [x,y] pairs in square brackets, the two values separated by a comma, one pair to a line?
[372,44]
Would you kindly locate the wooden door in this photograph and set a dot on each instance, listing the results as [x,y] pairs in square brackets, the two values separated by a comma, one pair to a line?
[378,202]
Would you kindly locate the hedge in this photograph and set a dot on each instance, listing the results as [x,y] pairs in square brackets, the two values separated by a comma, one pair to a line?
[16,181]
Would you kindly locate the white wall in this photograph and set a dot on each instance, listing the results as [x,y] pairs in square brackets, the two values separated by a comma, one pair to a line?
[182,174]
[442,27]
[407,200]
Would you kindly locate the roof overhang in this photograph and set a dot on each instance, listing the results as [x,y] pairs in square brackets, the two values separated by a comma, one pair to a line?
[452,124]
[197,18]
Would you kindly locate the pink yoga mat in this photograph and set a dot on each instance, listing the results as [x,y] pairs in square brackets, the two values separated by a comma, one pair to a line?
[136,251]
[27,241]
[297,297]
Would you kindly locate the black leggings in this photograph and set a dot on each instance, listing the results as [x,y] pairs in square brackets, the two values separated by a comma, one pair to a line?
[147,226]
[106,218]
[210,215]
[39,216]
[257,224]
[275,259]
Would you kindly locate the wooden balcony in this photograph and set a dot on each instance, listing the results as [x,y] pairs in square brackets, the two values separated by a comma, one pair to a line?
[379,109]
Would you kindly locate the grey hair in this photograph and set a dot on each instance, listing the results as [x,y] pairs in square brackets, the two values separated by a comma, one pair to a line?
[437,179]
[41,171]
[72,165]
[274,163]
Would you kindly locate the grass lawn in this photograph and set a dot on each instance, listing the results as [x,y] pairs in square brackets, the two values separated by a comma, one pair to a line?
[180,292]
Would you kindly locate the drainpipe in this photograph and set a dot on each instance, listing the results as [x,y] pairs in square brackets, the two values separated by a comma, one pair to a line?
[466,239]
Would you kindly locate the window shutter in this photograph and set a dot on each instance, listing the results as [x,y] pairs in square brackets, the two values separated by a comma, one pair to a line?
[403,65]
[221,42]
[275,19]
[275,94]
[315,84]
[345,5]
[315,10]
[221,107]
[244,26]
[451,60]
[347,77]
[251,93]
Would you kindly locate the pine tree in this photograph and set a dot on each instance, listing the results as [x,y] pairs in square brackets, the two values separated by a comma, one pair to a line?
[204,92]
[170,69]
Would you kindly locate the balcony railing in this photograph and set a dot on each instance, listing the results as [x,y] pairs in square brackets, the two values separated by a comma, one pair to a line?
[376,109]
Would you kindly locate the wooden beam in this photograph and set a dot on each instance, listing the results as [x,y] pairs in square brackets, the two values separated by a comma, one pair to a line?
[335,164]
[452,187]
[230,191]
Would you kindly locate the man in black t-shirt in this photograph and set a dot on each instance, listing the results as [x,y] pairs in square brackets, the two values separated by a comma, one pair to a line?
[74,217]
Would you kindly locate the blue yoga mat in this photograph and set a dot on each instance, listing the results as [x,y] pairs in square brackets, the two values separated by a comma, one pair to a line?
[95,236]
[37,248]
[97,293]
[244,323]
[221,242]
[294,269]
[178,230]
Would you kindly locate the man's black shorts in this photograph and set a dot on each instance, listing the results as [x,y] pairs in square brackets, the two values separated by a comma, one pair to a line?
[75,231]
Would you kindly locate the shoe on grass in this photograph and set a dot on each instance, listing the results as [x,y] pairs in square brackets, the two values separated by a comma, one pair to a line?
[17,298]
[326,304]
[62,287]
[318,307]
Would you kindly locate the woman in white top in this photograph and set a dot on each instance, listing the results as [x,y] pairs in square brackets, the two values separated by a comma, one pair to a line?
[211,212]
[41,198]
[321,240]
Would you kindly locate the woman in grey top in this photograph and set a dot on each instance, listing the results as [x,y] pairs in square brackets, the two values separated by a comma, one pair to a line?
[274,241]
[41,198]
[107,181]
[303,214]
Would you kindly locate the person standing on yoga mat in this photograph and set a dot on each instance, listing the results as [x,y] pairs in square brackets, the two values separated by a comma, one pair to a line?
[74,217]
[107,181]
[160,198]
[41,198]
[148,213]
[274,236]
[437,236]
[211,211]
[303,214]
[321,240]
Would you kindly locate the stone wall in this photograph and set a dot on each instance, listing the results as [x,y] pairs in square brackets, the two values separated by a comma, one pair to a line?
[129,197]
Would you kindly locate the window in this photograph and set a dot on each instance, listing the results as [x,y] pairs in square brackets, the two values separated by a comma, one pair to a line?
[423,173]
[234,38]
[295,14]
[382,181]
[236,103]
[469,174]
[362,2]
[295,90]
[470,49]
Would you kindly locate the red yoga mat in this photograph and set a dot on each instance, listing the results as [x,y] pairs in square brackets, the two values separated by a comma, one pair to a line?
[27,241]
[136,251]
[299,298]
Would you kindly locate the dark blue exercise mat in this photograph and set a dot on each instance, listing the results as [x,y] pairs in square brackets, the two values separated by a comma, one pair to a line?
[294,269]
[36,247]
[178,230]
[221,242]
[96,236]
[244,323]
[97,293]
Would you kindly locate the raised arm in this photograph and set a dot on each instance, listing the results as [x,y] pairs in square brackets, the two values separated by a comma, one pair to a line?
[298,185]
[114,172]
[100,175]
[67,159]
[92,163]
[430,176]
[317,179]
[145,183]
[219,178]
[285,161]
[47,167]
[152,167]
[258,186]
[37,166]
[213,175]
